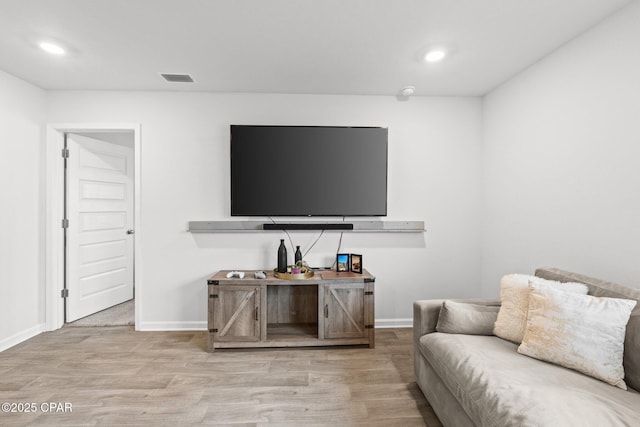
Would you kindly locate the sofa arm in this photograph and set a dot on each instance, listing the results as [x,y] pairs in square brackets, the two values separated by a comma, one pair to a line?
[425,317]
[426,312]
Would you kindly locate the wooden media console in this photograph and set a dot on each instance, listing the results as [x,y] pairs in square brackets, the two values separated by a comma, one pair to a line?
[327,309]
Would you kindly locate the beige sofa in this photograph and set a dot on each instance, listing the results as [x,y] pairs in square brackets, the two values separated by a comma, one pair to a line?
[476,380]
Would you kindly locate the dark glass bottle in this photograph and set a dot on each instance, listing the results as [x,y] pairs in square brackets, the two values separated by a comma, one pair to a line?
[282,257]
[298,254]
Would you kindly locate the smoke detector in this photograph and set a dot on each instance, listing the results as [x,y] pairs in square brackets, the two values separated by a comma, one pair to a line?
[408,90]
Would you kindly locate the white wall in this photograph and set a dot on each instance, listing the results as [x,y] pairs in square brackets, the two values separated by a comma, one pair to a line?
[22,119]
[561,153]
[433,169]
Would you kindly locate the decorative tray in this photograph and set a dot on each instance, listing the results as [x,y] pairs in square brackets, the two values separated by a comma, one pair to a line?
[293,276]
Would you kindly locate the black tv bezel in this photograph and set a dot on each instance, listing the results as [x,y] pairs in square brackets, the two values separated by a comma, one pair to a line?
[386,200]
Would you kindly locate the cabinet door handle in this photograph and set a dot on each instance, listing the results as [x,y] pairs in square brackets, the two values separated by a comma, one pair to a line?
[326,310]
[256,314]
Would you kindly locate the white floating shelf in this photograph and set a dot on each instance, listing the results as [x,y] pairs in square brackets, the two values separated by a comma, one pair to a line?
[257,226]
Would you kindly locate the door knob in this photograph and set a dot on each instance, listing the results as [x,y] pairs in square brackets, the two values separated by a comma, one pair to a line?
[131,231]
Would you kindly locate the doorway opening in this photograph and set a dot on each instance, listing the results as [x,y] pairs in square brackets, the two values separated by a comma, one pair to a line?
[92,214]
[99,234]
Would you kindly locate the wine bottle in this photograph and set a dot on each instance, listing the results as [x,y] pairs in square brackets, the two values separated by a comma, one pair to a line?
[282,257]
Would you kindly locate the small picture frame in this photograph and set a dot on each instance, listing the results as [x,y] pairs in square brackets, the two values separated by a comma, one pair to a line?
[342,263]
[356,263]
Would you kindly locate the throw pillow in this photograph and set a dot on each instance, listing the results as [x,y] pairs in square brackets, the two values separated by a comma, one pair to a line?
[580,332]
[465,318]
[514,293]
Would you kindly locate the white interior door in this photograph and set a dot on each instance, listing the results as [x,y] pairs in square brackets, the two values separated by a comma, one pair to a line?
[99,234]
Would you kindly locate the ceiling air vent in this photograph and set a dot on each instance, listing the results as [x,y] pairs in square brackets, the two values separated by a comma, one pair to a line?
[179,78]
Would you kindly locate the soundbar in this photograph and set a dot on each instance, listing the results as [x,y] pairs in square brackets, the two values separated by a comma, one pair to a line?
[308,226]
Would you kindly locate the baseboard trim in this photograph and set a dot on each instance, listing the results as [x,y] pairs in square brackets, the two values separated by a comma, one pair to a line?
[202,325]
[394,323]
[172,326]
[21,336]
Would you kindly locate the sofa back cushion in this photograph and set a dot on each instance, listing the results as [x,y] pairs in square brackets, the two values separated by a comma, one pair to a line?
[464,318]
[602,288]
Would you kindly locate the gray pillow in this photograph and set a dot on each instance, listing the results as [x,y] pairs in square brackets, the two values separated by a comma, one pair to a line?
[465,318]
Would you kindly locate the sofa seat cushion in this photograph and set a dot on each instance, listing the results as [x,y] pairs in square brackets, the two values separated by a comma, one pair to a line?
[496,386]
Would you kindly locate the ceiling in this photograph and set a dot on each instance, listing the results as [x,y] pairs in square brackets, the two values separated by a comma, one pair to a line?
[364,47]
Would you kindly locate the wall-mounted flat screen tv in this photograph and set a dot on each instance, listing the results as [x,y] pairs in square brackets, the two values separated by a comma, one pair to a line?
[308,171]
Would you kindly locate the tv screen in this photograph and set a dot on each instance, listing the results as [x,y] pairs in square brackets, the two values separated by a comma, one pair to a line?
[308,171]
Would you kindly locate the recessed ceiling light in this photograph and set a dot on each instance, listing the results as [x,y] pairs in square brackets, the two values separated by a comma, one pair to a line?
[52,48]
[435,55]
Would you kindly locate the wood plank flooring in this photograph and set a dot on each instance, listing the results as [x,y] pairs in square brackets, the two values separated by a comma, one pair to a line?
[116,376]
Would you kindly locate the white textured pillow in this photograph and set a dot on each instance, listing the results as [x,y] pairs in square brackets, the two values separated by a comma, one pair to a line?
[514,293]
[579,332]
[464,318]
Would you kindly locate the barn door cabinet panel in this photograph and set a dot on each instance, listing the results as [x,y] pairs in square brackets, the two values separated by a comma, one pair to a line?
[328,309]
[236,313]
[344,310]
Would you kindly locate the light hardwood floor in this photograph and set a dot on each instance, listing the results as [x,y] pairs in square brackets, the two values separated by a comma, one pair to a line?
[116,376]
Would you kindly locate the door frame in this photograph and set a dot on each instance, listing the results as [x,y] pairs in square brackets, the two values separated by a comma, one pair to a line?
[54,211]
